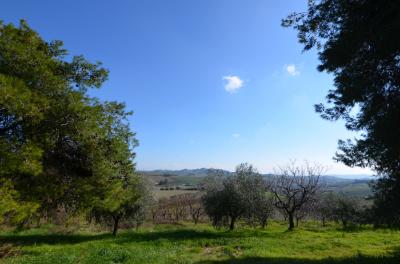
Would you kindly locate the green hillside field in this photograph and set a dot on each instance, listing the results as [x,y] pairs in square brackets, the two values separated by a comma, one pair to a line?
[201,244]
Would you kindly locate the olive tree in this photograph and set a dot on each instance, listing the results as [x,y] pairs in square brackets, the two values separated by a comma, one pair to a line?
[230,198]
[261,209]
[347,210]
[325,207]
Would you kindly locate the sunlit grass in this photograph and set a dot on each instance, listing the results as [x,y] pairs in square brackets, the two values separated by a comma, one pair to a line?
[187,243]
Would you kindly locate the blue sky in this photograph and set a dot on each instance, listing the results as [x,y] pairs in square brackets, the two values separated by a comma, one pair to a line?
[213,83]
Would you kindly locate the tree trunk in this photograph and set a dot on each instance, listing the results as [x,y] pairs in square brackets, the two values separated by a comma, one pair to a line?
[291,221]
[323,221]
[232,225]
[116,221]
[264,223]
[297,222]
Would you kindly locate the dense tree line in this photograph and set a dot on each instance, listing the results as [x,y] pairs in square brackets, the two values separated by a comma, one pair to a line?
[294,193]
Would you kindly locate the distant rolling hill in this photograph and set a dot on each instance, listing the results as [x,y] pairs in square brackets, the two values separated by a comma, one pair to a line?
[202,172]
[350,185]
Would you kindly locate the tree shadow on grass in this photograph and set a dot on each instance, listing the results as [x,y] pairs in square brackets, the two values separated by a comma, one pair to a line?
[129,236]
[193,234]
[50,239]
[173,235]
[123,237]
[392,259]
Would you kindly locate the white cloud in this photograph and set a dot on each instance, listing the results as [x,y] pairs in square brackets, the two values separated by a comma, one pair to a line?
[235,135]
[233,83]
[291,69]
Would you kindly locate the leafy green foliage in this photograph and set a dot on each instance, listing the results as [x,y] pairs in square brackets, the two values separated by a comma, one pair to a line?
[12,210]
[127,203]
[242,195]
[58,145]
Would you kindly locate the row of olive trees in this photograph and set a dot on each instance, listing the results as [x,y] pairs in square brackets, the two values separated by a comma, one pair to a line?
[296,192]
[349,211]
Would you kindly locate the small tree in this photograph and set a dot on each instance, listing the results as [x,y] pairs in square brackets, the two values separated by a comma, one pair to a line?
[294,187]
[347,211]
[178,205]
[224,205]
[305,211]
[196,209]
[227,199]
[263,209]
[325,206]
[126,202]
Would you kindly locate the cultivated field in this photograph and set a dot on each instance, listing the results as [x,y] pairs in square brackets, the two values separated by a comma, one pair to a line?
[186,243]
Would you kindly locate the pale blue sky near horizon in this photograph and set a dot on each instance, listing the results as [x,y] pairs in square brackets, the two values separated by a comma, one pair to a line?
[213,83]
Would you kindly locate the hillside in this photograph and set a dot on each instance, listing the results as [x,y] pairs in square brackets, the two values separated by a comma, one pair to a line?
[189,179]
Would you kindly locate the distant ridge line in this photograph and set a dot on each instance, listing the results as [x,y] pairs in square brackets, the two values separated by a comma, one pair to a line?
[201,172]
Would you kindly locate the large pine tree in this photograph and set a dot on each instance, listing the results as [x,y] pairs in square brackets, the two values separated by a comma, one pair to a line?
[58,145]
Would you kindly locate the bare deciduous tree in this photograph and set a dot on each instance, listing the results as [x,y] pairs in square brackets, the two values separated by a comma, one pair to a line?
[294,186]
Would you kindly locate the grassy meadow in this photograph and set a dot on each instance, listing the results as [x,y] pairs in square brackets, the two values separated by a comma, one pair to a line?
[201,244]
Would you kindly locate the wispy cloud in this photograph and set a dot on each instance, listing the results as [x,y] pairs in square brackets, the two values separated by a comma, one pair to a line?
[292,70]
[235,135]
[232,83]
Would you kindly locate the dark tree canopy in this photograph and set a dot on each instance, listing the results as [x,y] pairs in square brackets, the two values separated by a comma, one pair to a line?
[358,43]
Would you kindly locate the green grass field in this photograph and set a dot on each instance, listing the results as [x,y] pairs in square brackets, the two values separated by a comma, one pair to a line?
[186,243]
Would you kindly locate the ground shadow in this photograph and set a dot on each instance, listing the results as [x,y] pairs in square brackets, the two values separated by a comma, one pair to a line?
[174,235]
[123,237]
[130,236]
[394,259]
[50,239]
[190,234]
